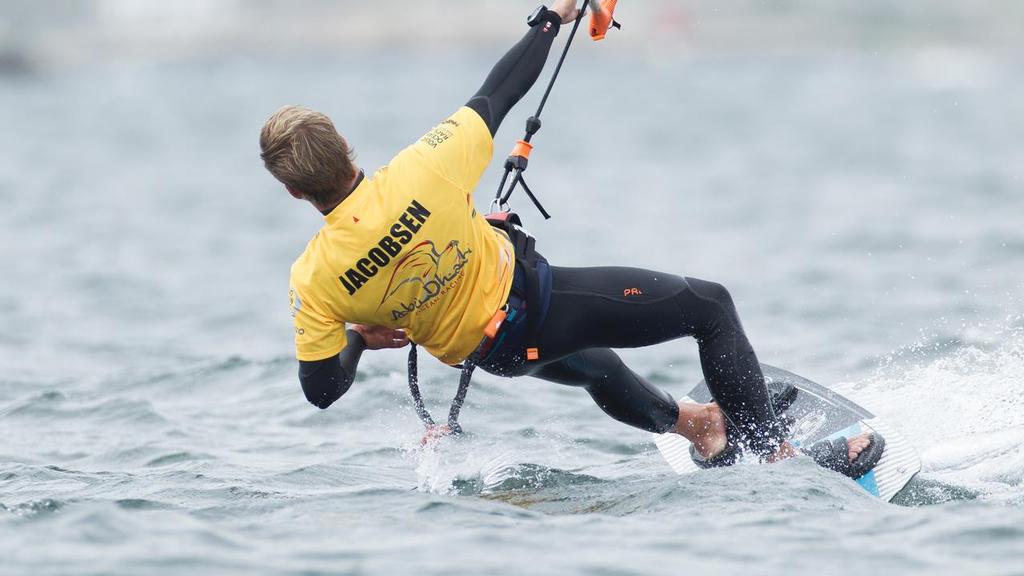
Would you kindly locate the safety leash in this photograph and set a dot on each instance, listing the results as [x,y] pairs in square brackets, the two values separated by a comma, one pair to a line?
[601,20]
[417,398]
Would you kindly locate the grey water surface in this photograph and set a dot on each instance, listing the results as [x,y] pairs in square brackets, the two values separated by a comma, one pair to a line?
[865,210]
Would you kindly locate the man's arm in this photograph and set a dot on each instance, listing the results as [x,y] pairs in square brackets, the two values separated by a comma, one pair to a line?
[324,381]
[514,75]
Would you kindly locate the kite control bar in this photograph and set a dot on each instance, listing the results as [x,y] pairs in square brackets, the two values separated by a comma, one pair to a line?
[602,19]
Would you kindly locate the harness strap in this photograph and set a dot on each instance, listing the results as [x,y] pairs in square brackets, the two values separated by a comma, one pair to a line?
[525,247]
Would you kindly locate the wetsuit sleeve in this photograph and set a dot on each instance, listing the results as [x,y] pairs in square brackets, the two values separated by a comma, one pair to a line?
[324,381]
[461,146]
[514,75]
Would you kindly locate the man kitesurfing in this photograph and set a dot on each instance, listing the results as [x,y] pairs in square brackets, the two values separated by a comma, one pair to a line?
[404,256]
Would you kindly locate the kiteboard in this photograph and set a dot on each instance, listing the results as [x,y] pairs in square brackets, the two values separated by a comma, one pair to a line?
[817,414]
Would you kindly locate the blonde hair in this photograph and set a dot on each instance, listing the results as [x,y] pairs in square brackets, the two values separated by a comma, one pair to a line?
[304,151]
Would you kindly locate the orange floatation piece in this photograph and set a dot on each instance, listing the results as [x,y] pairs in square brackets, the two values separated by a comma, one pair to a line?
[602,18]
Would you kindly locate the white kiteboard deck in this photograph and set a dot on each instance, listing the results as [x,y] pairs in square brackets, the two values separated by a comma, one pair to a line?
[819,414]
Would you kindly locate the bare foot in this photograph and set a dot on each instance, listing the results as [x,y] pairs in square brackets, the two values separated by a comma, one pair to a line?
[785,452]
[704,425]
[856,445]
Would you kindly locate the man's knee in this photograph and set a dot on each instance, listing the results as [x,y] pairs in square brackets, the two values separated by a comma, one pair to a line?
[712,309]
[711,291]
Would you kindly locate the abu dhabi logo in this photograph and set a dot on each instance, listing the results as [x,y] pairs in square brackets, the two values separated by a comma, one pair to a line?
[434,271]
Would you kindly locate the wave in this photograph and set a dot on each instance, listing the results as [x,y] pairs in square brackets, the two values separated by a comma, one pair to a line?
[34,508]
[961,402]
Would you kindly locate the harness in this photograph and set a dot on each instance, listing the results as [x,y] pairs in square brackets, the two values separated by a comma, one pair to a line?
[524,245]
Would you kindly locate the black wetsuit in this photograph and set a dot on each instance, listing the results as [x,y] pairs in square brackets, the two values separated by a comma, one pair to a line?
[588,311]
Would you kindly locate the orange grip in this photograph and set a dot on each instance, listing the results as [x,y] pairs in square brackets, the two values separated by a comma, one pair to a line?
[522,149]
[601,21]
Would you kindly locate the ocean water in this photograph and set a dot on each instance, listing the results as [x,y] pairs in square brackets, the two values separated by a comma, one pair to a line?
[865,211]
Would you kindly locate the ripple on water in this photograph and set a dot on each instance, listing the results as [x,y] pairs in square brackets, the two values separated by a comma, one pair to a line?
[141,504]
[34,508]
[55,406]
[923,491]
[250,479]
[176,458]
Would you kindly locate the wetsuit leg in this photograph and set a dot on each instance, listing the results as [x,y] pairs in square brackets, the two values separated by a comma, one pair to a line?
[617,307]
[619,391]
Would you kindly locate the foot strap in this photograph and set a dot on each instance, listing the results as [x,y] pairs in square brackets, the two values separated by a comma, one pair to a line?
[835,455]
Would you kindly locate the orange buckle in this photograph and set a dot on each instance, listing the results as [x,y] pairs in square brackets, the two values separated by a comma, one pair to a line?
[491,330]
[522,149]
[532,354]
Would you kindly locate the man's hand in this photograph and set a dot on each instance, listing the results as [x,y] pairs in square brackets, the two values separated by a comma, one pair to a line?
[378,337]
[434,434]
[566,9]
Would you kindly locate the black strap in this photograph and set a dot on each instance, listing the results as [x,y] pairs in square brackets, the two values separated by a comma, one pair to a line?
[533,298]
[414,388]
[525,247]
[460,395]
[526,257]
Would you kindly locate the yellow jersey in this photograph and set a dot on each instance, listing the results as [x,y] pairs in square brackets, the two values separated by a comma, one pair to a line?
[407,249]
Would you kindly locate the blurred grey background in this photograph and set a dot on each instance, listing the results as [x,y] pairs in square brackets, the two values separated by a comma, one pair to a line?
[57,33]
